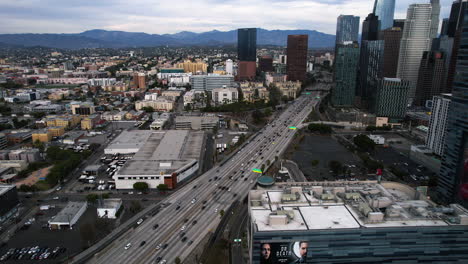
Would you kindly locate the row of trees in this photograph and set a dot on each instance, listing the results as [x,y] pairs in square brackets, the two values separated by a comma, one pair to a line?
[65,161]
[319,128]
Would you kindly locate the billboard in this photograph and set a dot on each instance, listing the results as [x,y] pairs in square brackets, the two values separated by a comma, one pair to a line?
[284,252]
[464,170]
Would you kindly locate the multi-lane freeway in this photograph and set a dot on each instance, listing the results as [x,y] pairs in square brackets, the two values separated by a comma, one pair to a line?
[194,210]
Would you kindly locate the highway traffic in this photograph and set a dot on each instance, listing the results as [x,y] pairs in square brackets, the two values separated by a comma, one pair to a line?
[194,210]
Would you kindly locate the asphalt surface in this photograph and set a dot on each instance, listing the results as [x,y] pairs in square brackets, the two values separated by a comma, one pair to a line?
[235,176]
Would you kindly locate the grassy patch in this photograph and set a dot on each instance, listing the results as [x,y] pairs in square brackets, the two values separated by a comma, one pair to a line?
[42,186]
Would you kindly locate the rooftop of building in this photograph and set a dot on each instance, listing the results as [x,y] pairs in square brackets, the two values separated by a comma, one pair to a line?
[203,119]
[5,188]
[67,213]
[341,204]
[164,152]
[109,203]
[130,139]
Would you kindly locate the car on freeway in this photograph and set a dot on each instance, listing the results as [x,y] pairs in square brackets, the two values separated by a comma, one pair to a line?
[142,243]
[158,259]
[158,247]
[216,210]
[194,200]
[194,222]
[182,228]
[163,261]
[165,246]
[184,239]
[140,221]
[128,246]
[178,207]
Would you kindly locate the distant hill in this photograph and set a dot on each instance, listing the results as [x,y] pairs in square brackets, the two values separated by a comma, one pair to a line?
[98,38]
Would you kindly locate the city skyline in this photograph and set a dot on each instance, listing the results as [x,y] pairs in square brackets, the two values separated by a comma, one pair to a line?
[164,17]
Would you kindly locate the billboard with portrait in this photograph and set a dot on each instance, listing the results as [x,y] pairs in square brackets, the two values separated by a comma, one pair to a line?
[284,252]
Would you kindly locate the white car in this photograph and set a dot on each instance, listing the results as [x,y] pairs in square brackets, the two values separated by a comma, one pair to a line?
[216,210]
[58,188]
[140,221]
[128,246]
[130,193]
[158,247]
[182,228]
[194,200]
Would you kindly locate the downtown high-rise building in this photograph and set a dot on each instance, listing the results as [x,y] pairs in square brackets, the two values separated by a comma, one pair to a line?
[265,64]
[391,98]
[435,140]
[417,38]
[345,75]
[454,32]
[431,79]
[392,40]
[347,29]
[453,177]
[247,53]
[384,10]
[297,57]
[370,62]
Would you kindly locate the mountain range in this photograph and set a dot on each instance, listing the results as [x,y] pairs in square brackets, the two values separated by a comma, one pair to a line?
[98,38]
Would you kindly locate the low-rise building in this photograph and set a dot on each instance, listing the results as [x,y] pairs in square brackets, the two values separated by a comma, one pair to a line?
[90,122]
[19,136]
[69,215]
[9,201]
[160,104]
[225,95]
[108,208]
[72,137]
[42,135]
[289,88]
[56,131]
[196,122]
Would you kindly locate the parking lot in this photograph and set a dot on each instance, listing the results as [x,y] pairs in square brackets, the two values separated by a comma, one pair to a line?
[39,239]
[325,149]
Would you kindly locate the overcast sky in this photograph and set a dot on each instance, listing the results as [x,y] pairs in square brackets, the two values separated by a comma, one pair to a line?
[171,16]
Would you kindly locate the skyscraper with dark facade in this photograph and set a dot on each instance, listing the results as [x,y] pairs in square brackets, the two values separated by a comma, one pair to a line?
[453,176]
[297,57]
[391,98]
[392,39]
[384,10]
[247,53]
[370,61]
[454,31]
[431,79]
[399,23]
[347,29]
[345,76]
[265,64]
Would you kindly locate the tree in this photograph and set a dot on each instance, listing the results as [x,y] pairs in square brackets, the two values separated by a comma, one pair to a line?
[140,186]
[177,260]
[39,145]
[276,158]
[268,162]
[320,128]
[148,109]
[38,115]
[335,166]
[364,143]
[314,163]
[162,187]
[92,197]
[263,167]
[135,207]
[221,213]
[257,116]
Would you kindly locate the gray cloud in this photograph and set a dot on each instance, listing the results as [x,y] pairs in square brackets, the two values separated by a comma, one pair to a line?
[169,16]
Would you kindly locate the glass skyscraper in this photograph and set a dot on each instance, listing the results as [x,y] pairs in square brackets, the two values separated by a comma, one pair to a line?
[347,29]
[247,44]
[346,62]
[453,176]
[385,10]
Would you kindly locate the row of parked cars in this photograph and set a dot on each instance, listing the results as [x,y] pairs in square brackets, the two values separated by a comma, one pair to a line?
[32,253]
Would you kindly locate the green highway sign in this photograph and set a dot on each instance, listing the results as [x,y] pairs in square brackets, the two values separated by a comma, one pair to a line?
[237,240]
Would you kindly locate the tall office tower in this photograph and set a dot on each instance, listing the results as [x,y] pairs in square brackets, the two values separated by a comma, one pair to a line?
[438,123]
[399,23]
[346,62]
[385,10]
[392,40]
[247,53]
[297,57]
[370,70]
[229,67]
[370,59]
[417,38]
[456,17]
[347,29]
[391,98]
[265,64]
[435,18]
[370,28]
[431,79]
[454,31]
[444,28]
[453,176]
